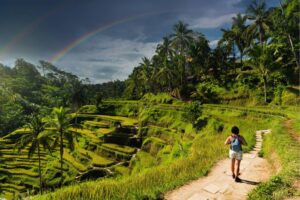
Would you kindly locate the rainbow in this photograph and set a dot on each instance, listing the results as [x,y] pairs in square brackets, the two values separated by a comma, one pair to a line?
[90,34]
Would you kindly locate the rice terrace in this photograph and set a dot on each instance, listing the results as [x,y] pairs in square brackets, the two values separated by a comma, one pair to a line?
[149,100]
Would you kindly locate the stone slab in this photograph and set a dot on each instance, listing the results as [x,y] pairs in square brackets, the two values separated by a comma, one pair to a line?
[223,189]
[211,188]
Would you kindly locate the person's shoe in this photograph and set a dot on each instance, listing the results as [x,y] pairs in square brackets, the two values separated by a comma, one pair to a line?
[238,180]
[233,176]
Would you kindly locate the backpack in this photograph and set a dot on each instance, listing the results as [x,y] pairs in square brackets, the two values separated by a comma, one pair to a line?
[236,144]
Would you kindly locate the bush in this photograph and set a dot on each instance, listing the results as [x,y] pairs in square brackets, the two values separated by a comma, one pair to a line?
[158,98]
[88,109]
[218,126]
[265,191]
[192,112]
[207,92]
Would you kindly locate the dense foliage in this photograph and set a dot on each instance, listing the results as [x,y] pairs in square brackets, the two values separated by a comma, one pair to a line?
[68,129]
[261,53]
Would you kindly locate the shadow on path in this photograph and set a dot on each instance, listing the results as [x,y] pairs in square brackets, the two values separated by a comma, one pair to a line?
[250,182]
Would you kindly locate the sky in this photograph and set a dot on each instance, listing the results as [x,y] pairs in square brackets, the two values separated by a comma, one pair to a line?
[103,40]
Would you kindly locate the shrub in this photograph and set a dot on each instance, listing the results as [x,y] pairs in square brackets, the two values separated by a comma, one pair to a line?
[158,98]
[192,112]
[89,109]
[207,92]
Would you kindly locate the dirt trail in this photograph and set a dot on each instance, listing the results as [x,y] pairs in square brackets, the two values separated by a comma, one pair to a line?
[219,183]
[289,127]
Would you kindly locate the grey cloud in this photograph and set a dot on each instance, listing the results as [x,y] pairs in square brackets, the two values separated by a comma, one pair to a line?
[105,64]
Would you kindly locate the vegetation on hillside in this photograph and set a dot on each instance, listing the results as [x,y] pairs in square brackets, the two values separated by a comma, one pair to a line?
[170,117]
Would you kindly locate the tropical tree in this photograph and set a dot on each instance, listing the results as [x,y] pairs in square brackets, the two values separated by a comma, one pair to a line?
[241,38]
[263,63]
[146,73]
[61,121]
[181,39]
[198,55]
[166,75]
[34,139]
[258,13]
[165,52]
[228,43]
[165,49]
[285,23]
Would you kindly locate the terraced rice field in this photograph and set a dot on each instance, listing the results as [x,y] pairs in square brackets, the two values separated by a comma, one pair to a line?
[104,145]
[19,173]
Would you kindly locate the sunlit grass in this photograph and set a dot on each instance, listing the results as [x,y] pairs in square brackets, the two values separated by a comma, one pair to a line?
[120,148]
[77,165]
[280,186]
[97,160]
[152,181]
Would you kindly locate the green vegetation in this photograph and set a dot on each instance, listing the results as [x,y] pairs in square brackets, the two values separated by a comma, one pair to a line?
[168,119]
[154,169]
[282,184]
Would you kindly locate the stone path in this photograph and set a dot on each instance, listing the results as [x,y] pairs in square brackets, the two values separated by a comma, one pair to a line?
[219,184]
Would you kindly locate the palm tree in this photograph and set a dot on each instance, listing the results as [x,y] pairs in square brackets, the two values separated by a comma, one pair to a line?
[241,38]
[146,73]
[181,39]
[165,49]
[165,73]
[77,94]
[228,41]
[34,138]
[284,24]
[262,62]
[258,13]
[61,122]
[198,55]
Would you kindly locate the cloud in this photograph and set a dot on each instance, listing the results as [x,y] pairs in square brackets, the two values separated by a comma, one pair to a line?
[211,22]
[104,58]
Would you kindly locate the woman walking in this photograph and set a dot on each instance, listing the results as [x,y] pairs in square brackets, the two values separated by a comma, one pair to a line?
[236,152]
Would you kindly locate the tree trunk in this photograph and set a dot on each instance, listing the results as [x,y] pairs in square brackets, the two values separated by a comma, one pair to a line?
[265,88]
[40,172]
[241,57]
[61,155]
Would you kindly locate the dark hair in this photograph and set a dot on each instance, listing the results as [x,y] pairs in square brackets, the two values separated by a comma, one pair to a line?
[235,130]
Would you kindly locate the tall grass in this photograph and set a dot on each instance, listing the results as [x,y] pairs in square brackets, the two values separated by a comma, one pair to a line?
[280,186]
[151,183]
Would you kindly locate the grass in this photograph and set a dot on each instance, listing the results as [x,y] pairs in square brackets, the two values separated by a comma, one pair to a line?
[7,185]
[169,153]
[104,131]
[152,181]
[280,186]
[17,132]
[77,165]
[147,184]
[97,161]
[124,120]
[86,133]
[119,148]
[98,124]
[20,171]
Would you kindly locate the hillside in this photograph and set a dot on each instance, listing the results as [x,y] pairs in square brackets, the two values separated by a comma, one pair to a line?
[142,145]
[163,127]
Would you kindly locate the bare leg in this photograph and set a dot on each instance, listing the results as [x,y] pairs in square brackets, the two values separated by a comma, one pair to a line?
[232,166]
[238,168]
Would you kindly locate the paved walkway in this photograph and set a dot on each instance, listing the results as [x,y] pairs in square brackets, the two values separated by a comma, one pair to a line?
[219,184]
